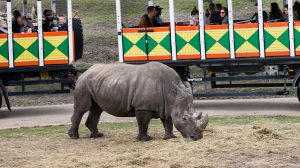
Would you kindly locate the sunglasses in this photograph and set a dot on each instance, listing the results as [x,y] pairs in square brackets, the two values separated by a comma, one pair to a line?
[222,12]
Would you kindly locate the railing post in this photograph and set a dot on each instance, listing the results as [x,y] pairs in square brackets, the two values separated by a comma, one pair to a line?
[291,28]
[40,32]
[10,34]
[70,32]
[173,32]
[231,29]
[202,28]
[119,30]
[261,28]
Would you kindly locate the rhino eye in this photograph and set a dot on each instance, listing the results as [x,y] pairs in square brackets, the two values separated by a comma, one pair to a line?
[184,118]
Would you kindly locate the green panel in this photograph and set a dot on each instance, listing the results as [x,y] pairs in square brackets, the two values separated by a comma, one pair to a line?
[209,41]
[141,44]
[239,40]
[254,40]
[297,38]
[127,45]
[4,50]
[34,49]
[269,39]
[64,47]
[48,48]
[166,43]
[224,41]
[18,50]
[151,44]
[180,43]
[285,39]
[195,42]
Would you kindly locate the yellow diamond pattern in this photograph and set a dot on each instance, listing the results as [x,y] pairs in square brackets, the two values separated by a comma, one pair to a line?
[135,51]
[246,33]
[277,46]
[55,55]
[217,49]
[158,51]
[2,41]
[25,42]
[187,35]
[2,59]
[56,40]
[26,56]
[247,47]
[216,34]
[188,49]
[276,31]
[298,28]
[134,37]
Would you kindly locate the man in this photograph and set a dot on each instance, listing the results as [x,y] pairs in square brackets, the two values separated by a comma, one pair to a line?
[254,18]
[158,22]
[147,20]
[48,14]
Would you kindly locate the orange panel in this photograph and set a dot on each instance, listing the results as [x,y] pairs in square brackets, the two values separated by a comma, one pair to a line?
[3,36]
[242,26]
[63,33]
[55,62]
[298,53]
[212,56]
[216,27]
[136,58]
[27,63]
[159,29]
[185,28]
[133,30]
[280,53]
[19,35]
[159,58]
[247,55]
[190,56]
[4,64]
[276,24]
[297,24]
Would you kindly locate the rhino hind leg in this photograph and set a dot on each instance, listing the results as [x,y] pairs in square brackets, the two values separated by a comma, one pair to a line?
[168,125]
[143,119]
[93,120]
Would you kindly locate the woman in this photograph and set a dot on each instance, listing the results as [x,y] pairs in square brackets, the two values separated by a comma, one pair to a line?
[224,15]
[26,26]
[194,19]
[296,9]
[286,13]
[275,14]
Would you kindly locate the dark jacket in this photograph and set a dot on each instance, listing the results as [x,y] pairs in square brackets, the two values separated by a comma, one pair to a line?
[254,18]
[47,24]
[15,26]
[146,21]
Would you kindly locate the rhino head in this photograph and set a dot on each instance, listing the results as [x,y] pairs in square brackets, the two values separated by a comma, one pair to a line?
[189,123]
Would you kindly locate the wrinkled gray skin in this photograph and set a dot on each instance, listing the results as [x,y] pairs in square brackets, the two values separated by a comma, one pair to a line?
[145,91]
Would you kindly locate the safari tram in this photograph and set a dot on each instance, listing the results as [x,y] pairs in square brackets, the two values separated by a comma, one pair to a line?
[39,57]
[236,55]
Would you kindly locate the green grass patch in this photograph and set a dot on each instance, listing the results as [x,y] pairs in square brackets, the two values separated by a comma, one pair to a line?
[61,131]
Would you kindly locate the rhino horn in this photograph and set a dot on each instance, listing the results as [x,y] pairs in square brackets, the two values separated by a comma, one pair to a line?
[197,116]
[202,122]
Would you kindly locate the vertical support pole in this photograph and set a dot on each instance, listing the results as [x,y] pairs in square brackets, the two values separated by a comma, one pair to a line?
[202,28]
[150,3]
[119,30]
[173,33]
[261,28]
[231,29]
[40,32]
[53,5]
[25,7]
[291,28]
[70,32]
[10,34]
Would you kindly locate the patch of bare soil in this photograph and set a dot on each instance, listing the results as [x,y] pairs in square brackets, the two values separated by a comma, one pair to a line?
[40,100]
[271,145]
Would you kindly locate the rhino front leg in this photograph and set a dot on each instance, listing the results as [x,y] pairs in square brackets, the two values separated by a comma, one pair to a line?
[76,119]
[93,120]
[168,125]
[143,118]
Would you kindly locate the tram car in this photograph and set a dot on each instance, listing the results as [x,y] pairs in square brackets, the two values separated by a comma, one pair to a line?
[39,57]
[249,54]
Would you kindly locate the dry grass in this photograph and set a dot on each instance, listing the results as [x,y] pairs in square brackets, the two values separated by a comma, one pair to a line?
[228,142]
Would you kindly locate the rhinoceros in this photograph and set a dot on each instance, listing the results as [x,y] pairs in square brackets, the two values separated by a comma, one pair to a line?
[147,91]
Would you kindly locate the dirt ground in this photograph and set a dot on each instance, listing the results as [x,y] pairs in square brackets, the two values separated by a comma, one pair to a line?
[228,142]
